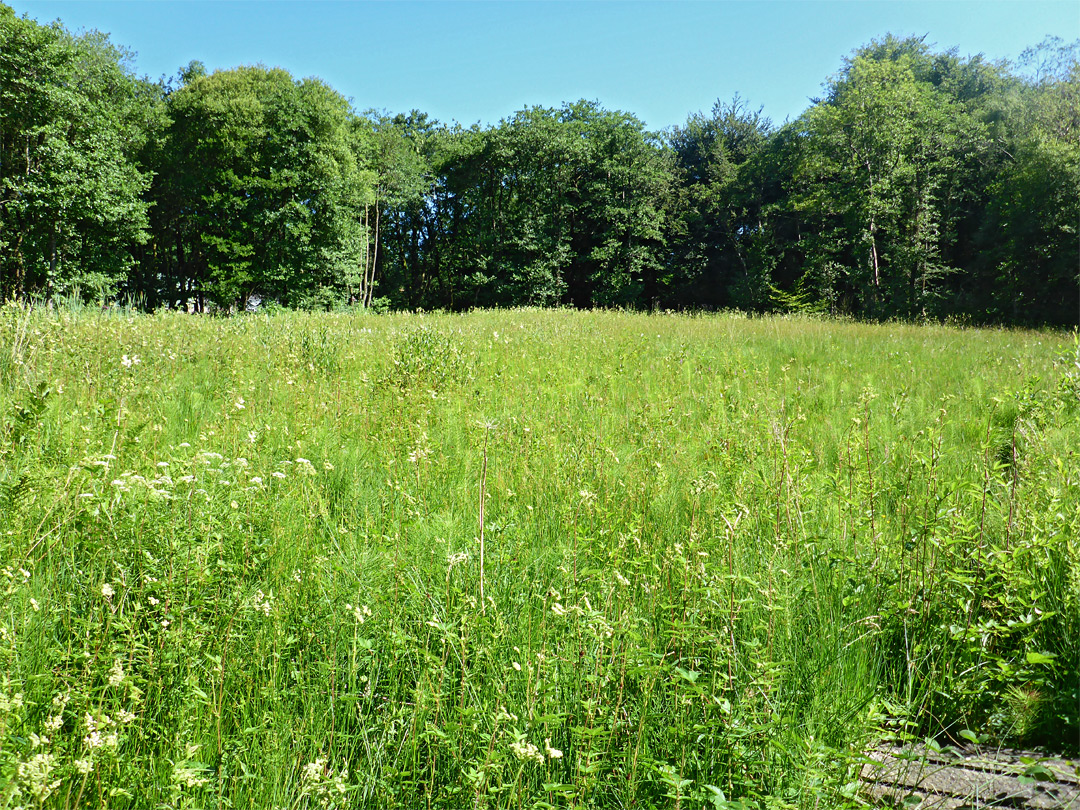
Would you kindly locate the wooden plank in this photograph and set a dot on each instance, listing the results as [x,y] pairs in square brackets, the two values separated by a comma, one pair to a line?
[952,779]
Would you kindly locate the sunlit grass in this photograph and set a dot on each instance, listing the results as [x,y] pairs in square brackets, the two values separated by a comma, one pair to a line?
[721,556]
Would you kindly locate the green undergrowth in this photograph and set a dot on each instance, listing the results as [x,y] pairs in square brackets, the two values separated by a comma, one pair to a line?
[245,562]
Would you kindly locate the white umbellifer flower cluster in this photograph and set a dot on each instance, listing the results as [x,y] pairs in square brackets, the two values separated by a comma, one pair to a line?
[100,732]
[36,776]
[320,782]
[128,362]
[526,751]
[156,486]
[360,612]
[116,674]
[553,753]
[107,591]
[187,776]
[263,603]
[421,450]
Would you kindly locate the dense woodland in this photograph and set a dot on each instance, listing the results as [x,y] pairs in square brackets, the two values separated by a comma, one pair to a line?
[922,184]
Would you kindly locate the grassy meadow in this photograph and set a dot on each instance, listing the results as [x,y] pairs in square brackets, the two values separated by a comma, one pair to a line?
[524,559]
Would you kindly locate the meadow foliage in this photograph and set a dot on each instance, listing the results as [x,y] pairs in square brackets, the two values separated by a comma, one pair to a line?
[241,564]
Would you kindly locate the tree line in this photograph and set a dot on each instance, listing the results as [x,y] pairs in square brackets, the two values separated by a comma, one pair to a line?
[922,184]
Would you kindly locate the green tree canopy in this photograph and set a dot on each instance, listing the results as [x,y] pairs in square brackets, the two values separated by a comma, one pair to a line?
[260,189]
[72,120]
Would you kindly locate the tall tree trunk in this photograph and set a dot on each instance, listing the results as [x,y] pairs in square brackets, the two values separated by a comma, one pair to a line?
[873,230]
[370,282]
[361,293]
[874,253]
[52,264]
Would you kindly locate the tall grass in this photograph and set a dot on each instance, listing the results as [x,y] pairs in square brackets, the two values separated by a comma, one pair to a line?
[720,556]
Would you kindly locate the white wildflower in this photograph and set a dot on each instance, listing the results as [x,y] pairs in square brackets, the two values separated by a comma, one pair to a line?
[34,604]
[553,753]
[314,771]
[320,782]
[526,751]
[9,703]
[36,775]
[262,603]
[116,674]
[84,766]
[186,775]
[107,590]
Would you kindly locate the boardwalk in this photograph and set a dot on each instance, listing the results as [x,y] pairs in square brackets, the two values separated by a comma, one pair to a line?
[952,779]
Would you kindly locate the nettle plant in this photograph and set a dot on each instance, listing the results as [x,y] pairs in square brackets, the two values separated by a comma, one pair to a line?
[980,627]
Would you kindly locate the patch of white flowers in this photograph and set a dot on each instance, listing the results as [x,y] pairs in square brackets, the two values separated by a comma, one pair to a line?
[323,784]
[263,603]
[526,751]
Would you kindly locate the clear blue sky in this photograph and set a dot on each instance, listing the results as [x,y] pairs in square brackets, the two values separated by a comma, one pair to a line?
[481,61]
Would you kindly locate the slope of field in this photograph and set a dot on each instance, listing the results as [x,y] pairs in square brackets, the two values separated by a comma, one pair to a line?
[524,559]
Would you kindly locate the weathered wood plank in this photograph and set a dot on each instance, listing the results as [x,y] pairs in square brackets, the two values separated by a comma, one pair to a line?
[951,779]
